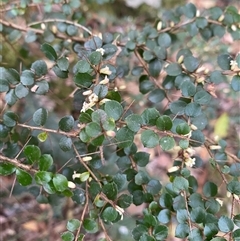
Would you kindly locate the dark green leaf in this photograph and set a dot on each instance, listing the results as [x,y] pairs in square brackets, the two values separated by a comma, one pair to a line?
[191,63]
[65,143]
[60,182]
[225,224]
[73,225]
[202,97]
[124,201]
[90,225]
[174,69]
[224,61]
[188,88]
[164,40]
[42,87]
[42,177]
[60,73]
[10,97]
[149,138]
[141,158]
[66,123]
[109,214]
[49,51]
[32,153]
[180,184]
[150,116]
[167,143]
[155,67]
[197,215]
[201,22]
[183,129]
[21,91]
[95,58]
[216,77]
[235,83]
[10,119]
[67,236]
[190,10]
[27,77]
[182,231]
[134,122]
[6,169]
[124,137]
[193,109]
[113,109]
[160,232]
[63,64]
[210,189]
[83,80]
[178,107]
[40,116]
[234,187]
[23,177]
[164,123]
[39,67]
[93,129]
[110,51]
[45,162]
[82,66]
[156,96]
[11,75]
[197,138]
[110,190]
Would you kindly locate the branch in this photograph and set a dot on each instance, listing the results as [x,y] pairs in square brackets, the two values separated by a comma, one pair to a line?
[69,134]
[61,21]
[18,164]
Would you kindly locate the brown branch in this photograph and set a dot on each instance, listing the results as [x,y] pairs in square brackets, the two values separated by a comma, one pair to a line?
[18,164]
[40,128]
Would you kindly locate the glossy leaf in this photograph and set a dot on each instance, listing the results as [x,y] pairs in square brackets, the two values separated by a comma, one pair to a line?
[90,225]
[10,119]
[6,168]
[49,51]
[40,116]
[32,153]
[65,143]
[73,225]
[66,123]
[23,177]
[45,162]
[60,182]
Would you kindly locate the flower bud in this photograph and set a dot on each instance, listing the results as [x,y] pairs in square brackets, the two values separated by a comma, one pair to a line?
[180,59]
[220,19]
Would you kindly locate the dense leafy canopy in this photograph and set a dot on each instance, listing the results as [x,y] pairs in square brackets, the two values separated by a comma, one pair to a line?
[131,97]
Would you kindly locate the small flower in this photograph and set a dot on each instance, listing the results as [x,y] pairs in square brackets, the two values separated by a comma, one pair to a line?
[190,150]
[105,70]
[219,201]
[215,147]
[233,64]
[86,106]
[71,184]
[120,211]
[87,92]
[190,162]
[103,101]
[93,98]
[104,81]
[87,158]
[101,50]
[173,169]
[76,175]
[193,127]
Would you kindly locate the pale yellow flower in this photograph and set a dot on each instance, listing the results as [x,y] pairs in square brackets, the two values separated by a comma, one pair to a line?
[105,70]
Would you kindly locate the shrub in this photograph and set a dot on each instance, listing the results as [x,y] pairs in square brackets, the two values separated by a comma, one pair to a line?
[157,87]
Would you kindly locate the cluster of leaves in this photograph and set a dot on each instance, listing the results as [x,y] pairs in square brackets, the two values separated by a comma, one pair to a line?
[108,132]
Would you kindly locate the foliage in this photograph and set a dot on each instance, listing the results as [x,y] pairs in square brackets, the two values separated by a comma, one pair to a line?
[105,150]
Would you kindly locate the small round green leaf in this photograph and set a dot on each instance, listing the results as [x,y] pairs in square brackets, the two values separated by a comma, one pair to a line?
[210,189]
[65,143]
[67,236]
[155,67]
[178,107]
[40,116]
[224,61]
[23,177]
[113,109]
[109,214]
[183,128]
[42,87]
[235,83]
[182,230]
[167,143]
[164,40]
[174,69]
[180,184]
[27,77]
[49,51]
[42,177]
[156,96]
[150,116]
[63,64]
[90,225]
[82,66]
[10,119]
[191,63]
[39,67]
[6,169]
[202,97]
[234,187]
[66,123]
[225,224]
[141,158]
[149,138]
[60,182]
[164,216]
[164,123]
[154,187]
[124,201]
[32,153]
[45,162]
[193,109]
[134,122]
[73,225]
[93,129]
[21,91]
[95,58]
